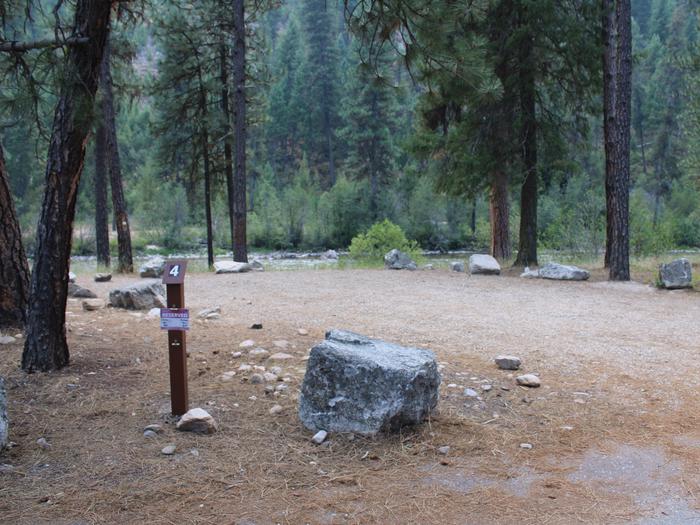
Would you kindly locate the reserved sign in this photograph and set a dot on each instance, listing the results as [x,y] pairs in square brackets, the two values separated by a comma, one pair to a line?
[174,319]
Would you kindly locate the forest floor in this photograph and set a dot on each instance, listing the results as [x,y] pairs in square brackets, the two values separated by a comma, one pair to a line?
[614,429]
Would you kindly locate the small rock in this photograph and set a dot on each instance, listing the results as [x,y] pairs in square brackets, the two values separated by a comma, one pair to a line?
[149,434]
[79,292]
[281,344]
[197,420]
[153,428]
[280,356]
[153,313]
[530,380]
[258,352]
[152,268]
[444,450]
[256,326]
[227,376]
[168,450]
[71,277]
[213,312]
[468,392]
[526,446]
[245,368]
[43,443]
[508,362]
[281,387]
[567,427]
[276,370]
[331,255]
[248,343]
[257,266]
[257,379]
[236,354]
[457,266]
[397,260]
[319,437]
[486,388]
[276,410]
[103,277]
[270,377]
[303,331]
[90,305]
[530,274]
[6,339]
[429,267]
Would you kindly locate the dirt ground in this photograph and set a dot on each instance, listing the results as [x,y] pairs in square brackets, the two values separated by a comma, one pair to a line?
[614,428]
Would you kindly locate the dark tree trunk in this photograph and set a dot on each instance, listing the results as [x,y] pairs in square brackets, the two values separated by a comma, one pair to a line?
[472,218]
[207,174]
[121,217]
[617,91]
[240,249]
[45,346]
[101,210]
[329,147]
[14,271]
[499,214]
[527,244]
[228,156]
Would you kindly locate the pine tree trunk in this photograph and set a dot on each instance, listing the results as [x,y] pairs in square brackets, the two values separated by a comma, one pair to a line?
[126,261]
[207,196]
[617,69]
[45,346]
[228,156]
[499,214]
[527,243]
[240,249]
[101,210]
[472,218]
[14,271]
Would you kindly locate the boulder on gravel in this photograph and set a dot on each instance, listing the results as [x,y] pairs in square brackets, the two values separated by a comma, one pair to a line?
[457,266]
[4,422]
[561,272]
[153,267]
[79,292]
[676,275]
[397,260]
[232,267]
[362,385]
[482,264]
[138,296]
[213,312]
[103,277]
[197,420]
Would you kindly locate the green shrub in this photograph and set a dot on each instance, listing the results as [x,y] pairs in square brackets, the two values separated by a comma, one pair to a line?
[381,238]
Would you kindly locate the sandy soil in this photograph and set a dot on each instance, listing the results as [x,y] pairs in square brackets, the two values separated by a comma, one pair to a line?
[614,428]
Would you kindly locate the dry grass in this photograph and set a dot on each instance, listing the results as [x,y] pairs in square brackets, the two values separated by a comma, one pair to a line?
[263,469]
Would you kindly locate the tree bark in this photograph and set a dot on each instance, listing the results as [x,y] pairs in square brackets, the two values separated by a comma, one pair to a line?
[527,243]
[121,217]
[617,95]
[101,210]
[499,215]
[207,174]
[14,271]
[240,249]
[45,346]
[228,156]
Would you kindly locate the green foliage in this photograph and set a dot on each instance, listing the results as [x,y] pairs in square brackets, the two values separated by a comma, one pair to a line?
[380,239]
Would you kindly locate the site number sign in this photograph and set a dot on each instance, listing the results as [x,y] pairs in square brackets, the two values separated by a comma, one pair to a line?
[174,272]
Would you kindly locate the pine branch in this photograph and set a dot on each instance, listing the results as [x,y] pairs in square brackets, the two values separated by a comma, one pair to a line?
[20,47]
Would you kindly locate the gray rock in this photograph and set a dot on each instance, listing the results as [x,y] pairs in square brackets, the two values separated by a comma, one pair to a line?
[281,356]
[276,409]
[270,377]
[149,434]
[330,255]
[429,267]
[213,312]
[257,379]
[319,437]
[79,292]
[457,266]
[676,275]
[90,305]
[138,296]
[526,446]
[168,450]
[6,339]
[443,450]
[470,392]
[397,260]
[153,428]
[43,443]
[303,331]
[71,277]
[508,362]
[530,380]
[231,267]
[530,274]
[4,421]
[362,385]
[197,420]
[257,266]
[561,272]
[482,264]
[103,277]
[153,267]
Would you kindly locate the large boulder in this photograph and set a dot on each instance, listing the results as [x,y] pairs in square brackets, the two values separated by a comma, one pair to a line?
[139,296]
[397,260]
[675,275]
[4,423]
[79,292]
[153,267]
[482,264]
[362,385]
[561,272]
[231,267]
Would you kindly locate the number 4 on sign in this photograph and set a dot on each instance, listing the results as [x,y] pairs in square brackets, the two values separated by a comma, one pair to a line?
[174,272]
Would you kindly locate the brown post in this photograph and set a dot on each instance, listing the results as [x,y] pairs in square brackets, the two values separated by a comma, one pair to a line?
[173,277]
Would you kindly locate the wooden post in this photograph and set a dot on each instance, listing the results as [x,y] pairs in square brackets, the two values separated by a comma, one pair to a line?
[174,277]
